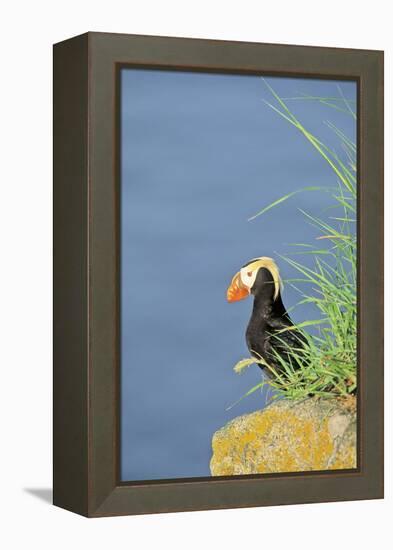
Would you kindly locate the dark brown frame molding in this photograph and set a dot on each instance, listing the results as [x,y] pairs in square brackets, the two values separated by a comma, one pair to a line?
[86,269]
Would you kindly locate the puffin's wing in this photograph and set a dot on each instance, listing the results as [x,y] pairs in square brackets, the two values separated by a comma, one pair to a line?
[283,338]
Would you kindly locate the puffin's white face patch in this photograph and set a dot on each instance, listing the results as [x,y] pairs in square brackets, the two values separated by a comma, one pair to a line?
[248,276]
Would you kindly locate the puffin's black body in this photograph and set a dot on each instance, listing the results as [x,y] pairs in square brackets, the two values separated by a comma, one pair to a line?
[266,335]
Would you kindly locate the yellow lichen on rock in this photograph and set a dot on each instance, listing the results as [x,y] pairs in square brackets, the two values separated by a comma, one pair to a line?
[288,436]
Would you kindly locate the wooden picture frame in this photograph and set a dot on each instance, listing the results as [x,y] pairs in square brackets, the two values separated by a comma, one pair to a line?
[86,275]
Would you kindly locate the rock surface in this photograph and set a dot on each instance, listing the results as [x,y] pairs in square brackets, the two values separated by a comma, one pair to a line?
[288,436]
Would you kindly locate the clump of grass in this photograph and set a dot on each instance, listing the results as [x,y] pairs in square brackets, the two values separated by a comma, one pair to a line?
[329,355]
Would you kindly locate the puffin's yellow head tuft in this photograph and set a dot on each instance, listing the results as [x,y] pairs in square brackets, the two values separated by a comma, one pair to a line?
[243,281]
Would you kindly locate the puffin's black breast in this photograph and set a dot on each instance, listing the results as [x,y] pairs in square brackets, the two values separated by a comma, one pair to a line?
[268,336]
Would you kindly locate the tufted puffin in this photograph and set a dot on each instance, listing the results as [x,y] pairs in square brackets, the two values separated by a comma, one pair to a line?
[270,332]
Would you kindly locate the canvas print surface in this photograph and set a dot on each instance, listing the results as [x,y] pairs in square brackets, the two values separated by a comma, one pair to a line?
[238,274]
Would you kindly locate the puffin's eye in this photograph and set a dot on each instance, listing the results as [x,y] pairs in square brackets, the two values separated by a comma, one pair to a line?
[249,273]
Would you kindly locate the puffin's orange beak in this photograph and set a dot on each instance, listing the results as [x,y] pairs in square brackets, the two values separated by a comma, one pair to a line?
[236,290]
